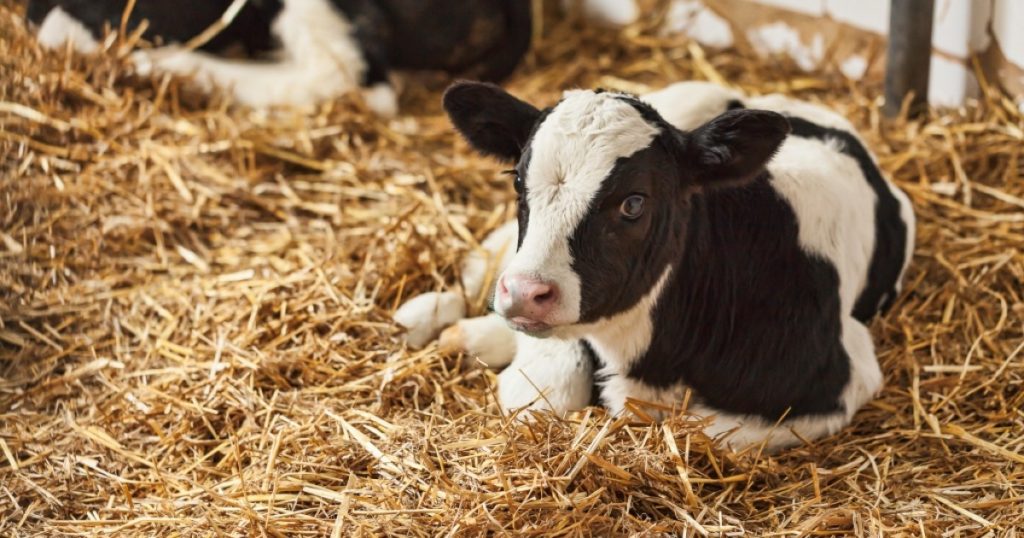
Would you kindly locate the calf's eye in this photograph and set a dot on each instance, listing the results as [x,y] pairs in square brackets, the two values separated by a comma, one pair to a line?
[632,207]
[517,181]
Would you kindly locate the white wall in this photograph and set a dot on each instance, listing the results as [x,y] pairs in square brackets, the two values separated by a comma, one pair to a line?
[960,29]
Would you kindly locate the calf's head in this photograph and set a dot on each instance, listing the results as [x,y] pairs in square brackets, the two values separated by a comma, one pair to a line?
[604,186]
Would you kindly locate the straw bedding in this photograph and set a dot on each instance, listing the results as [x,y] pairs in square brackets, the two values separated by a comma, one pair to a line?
[195,333]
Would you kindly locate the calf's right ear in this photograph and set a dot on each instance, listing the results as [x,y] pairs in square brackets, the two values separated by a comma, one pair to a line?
[490,119]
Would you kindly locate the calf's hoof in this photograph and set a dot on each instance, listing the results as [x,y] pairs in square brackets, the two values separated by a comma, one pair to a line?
[424,316]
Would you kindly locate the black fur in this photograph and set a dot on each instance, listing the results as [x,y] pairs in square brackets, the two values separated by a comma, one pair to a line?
[749,320]
[482,39]
[597,378]
[522,207]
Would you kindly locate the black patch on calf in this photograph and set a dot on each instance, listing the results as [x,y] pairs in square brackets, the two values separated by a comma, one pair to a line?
[618,261]
[376,70]
[482,39]
[499,62]
[889,257]
[749,320]
[597,379]
[37,10]
[734,104]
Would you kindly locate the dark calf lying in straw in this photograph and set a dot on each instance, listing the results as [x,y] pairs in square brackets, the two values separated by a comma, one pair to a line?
[316,49]
[689,240]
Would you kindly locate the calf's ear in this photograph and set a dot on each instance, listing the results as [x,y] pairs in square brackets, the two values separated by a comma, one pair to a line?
[734,148]
[490,119]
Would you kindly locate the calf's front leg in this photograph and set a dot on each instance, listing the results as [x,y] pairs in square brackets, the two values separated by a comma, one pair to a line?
[550,374]
[487,338]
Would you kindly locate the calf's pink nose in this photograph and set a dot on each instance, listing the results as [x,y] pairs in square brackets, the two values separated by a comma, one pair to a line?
[528,297]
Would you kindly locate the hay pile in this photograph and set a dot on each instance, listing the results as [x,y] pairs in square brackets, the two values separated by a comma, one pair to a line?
[195,334]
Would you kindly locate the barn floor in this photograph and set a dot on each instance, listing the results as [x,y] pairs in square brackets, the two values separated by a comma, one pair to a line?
[195,333]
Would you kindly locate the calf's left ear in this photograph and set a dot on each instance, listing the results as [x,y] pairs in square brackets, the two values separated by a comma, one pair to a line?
[490,119]
[734,148]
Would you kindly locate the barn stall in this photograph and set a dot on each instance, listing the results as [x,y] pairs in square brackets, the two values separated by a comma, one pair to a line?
[196,332]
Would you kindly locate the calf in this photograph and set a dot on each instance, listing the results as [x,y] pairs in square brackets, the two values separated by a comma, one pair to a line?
[739,258]
[309,50]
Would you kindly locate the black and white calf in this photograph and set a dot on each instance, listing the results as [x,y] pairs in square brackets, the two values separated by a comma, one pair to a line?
[304,51]
[693,239]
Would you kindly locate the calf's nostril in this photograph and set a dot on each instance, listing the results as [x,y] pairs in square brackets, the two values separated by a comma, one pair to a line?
[543,295]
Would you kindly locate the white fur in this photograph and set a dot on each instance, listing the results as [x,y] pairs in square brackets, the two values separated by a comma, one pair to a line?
[618,388]
[573,150]
[829,118]
[801,109]
[489,339]
[425,315]
[320,60]
[834,205]
[381,99]
[823,116]
[622,338]
[688,105]
[611,12]
[59,27]
[424,320]
[549,374]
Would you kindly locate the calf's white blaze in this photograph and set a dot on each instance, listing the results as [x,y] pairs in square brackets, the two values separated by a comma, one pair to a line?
[573,151]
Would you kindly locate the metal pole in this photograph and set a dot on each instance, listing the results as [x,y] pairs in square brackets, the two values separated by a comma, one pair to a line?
[909,54]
